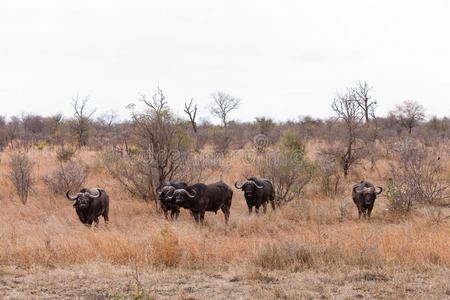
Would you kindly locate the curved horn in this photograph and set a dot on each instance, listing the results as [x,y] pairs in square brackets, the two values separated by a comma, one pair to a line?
[239,187]
[170,196]
[189,195]
[381,189]
[72,198]
[168,191]
[94,196]
[182,191]
[257,186]
[355,189]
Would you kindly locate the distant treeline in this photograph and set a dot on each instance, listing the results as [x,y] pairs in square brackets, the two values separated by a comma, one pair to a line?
[33,130]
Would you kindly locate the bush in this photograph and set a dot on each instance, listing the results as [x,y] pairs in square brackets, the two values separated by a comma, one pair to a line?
[329,176]
[20,174]
[196,167]
[69,176]
[64,155]
[139,176]
[134,173]
[288,169]
[416,178]
[292,142]
[222,141]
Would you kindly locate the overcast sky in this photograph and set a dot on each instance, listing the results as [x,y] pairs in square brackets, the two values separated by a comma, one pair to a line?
[284,59]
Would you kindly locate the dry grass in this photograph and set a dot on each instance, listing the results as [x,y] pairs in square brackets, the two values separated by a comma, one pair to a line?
[314,233]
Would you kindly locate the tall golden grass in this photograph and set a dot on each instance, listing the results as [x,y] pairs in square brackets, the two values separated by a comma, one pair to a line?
[311,232]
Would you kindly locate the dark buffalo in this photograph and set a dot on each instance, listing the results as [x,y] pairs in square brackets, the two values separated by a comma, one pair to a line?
[199,198]
[257,193]
[90,204]
[364,195]
[169,204]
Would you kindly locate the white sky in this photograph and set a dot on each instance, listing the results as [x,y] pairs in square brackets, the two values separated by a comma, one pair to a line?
[284,59]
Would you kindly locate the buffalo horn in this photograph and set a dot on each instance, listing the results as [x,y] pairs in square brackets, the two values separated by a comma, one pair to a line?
[95,196]
[72,198]
[381,189]
[239,187]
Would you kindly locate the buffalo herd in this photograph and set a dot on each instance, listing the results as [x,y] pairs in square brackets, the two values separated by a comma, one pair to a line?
[199,198]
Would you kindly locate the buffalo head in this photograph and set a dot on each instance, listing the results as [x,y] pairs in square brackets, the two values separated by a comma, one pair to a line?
[165,192]
[84,198]
[248,187]
[181,195]
[368,194]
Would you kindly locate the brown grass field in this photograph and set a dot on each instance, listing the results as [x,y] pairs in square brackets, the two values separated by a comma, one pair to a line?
[314,247]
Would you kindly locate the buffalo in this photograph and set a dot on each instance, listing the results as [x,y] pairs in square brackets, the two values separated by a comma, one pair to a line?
[364,194]
[90,204]
[257,193]
[200,197]
[168,204]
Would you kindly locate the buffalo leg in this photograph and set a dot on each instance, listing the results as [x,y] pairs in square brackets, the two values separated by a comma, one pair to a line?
[364,212]
[175,213]
[196,216]
[360,211]
[89,222]
[264,207]
[226,212]
[96,221]
[202,217]
[257,209]
[272,202]
[369,211]
[249,210]
[105,216]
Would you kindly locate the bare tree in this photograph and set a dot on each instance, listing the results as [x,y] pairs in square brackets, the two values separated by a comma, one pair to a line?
[82,119]
[348,110]
[106,129]
[364,100]
[222,105]
[161,144]
[409,113]
[158,102]
[20,174]
[192,113]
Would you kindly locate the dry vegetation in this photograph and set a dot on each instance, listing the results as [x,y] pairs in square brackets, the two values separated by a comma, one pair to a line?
[311,247]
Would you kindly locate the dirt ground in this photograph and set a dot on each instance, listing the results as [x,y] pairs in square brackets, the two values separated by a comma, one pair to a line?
[102,281]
